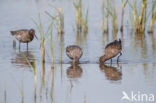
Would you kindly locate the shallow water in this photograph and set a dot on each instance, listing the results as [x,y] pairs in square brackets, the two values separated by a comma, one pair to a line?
[90,82]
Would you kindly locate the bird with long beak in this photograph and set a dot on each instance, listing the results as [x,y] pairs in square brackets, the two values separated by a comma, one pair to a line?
[24,35]
[111,50]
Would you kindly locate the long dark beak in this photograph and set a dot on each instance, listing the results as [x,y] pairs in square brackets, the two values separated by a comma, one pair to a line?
[36,37]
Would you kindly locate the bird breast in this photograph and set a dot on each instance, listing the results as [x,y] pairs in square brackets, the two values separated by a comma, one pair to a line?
[25,37]
[74,53]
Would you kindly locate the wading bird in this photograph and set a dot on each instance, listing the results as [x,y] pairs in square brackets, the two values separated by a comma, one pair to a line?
[111,50]
[74,52]
[24,35]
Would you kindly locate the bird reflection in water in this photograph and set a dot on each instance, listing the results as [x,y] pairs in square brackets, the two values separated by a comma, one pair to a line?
[23,59]
[74,71]
[112,73]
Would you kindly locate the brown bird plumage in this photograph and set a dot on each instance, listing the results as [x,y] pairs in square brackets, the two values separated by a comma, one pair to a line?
[74,52]
[111,50]
[24,35]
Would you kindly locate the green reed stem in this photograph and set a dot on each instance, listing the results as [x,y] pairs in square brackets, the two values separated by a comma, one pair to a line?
[52,49]
[122,15]
[107,16]
[153,19]
[114,18]
[60,26]
[81,17]
[103,16]
[142,17]
[5,93]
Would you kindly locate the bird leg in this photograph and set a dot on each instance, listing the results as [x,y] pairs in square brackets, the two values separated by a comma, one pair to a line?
[117,64]
[76,61]
[118,57]
[111,61]
[27,46]
[14,43]
[19,44]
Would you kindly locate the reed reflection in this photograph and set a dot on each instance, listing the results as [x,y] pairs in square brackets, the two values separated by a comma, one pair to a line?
[61,47]
[74,71]
[111,73]
[151,35]
[140,38]
[23,58]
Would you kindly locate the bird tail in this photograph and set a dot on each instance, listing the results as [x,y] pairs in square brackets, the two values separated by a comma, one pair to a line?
[12,32]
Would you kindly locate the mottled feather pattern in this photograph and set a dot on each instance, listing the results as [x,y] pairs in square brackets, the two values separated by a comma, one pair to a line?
[113,45]
[19,32]
[113,49]
[22,35]
[74,51]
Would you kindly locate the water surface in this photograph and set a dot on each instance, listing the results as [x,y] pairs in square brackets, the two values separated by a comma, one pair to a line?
[90,82]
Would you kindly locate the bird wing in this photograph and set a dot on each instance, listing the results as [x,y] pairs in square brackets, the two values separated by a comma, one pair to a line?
[19,32]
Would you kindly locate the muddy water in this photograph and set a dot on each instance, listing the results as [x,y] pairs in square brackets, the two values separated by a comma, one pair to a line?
[90,82]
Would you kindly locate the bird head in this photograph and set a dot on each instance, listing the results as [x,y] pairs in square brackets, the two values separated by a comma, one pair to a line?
[102,59]
[32,32]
